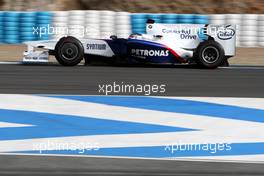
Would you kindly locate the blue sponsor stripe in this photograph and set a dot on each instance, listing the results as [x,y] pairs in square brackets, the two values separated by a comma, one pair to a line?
[163,151]
[177,106]
[54,125]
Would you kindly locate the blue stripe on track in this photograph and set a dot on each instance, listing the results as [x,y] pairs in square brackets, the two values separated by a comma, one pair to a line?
[54,125]
[177,106]
[160,152]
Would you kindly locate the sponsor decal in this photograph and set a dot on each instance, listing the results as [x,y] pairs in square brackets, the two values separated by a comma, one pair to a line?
[184,33]
[91,46]
[226,33]
[177,31]
[187,36]
[144,52]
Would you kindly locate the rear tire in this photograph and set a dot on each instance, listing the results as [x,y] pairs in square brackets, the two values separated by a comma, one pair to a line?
[210,54]
[69,51]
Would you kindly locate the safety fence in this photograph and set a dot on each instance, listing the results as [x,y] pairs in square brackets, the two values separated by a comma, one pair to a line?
[18,27]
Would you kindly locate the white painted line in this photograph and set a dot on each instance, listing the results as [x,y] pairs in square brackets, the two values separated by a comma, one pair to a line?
[41,63]
[12,125]
[198,159]
[259,158]
[256,103]
[244,67]
[10,63]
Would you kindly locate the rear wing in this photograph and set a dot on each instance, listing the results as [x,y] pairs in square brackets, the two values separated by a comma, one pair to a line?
[223,34]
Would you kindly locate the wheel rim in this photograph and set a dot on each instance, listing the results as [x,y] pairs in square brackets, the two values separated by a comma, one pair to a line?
[210,54]
[69,51]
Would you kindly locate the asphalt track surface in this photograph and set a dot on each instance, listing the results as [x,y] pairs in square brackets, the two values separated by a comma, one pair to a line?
[50,165]
[180,81]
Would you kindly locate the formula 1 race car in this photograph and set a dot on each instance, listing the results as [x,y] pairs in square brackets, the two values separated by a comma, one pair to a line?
[209,46]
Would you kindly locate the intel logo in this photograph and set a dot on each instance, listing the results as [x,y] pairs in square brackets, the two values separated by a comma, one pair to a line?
[226,34]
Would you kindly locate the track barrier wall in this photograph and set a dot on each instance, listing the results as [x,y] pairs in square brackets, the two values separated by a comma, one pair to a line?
[17,27]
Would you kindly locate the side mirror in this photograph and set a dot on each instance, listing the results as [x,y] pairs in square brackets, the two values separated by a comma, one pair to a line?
[158,36]
[113,37]
[150,21]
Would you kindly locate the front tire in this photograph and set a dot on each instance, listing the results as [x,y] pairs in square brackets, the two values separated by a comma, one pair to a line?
[210,54]
[69,51]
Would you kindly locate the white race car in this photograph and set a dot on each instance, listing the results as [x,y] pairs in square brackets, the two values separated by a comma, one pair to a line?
[207,45]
